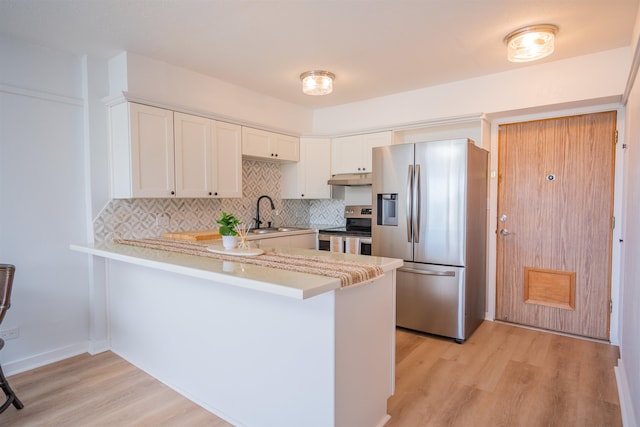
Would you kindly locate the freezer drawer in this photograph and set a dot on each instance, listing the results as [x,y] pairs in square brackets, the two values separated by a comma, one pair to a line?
[430,298]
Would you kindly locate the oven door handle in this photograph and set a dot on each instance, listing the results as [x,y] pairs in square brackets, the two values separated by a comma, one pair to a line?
[327,237]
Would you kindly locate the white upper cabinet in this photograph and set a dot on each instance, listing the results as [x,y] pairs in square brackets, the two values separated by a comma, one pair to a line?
[194,148]
[208,157]
[202,158]
[142,151]
[228,152]
[352,154]
[308,178]
[261,144]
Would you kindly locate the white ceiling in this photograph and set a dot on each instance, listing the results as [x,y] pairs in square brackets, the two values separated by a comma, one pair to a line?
[375,47]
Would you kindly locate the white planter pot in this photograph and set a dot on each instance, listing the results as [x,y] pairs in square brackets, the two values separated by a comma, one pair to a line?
[229,242]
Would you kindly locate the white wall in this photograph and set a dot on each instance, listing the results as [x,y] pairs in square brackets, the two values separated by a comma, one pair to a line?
[629,366]
[600,77]
[41,203]
[628,371]
[188,91]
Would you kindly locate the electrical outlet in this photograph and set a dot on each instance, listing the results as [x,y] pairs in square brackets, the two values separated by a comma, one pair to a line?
[10,334]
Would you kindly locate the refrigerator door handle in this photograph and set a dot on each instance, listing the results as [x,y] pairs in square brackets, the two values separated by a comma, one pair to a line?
[416,205]
[428,272]
[409,193]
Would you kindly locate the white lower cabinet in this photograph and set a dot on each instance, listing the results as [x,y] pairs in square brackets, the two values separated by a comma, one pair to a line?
[308,178]
[304,241]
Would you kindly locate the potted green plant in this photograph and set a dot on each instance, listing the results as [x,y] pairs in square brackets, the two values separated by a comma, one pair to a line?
[227,230]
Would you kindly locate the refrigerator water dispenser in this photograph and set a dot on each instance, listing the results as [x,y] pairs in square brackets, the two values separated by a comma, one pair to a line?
[388,209]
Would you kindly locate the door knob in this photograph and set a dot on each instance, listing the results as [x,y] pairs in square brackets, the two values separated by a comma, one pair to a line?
[504,232]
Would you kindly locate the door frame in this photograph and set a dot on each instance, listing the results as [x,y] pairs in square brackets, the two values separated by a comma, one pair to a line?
[498,119]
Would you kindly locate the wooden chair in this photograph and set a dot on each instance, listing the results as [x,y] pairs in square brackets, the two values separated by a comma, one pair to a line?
[6,280]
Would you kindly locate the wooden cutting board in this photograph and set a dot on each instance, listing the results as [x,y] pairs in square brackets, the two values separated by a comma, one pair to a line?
[192,235]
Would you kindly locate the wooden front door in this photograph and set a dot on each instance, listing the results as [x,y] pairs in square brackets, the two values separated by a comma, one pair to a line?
[555,211]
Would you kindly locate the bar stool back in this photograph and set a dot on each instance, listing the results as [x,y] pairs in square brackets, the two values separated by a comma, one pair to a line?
[6,281]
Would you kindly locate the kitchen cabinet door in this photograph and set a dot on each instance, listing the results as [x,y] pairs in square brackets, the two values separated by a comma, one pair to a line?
[142,151]
[287,148]
[195,157]
[255,143]
[308,178]
[264,145]
[346,155]
[208,158]
[304,241]
[352,154]
[371,141]
[228,153]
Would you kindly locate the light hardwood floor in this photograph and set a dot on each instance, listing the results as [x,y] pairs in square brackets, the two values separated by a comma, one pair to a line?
[502,376]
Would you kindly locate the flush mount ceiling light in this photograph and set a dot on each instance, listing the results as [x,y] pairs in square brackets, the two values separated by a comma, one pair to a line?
[317,82]
[530,43]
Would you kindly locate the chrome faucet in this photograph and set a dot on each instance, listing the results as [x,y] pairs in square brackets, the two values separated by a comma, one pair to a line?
[257,218]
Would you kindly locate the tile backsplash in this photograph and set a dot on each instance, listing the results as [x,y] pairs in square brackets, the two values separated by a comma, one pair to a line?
[140,218]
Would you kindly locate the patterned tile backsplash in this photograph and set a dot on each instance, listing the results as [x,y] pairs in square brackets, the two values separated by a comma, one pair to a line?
[140,218]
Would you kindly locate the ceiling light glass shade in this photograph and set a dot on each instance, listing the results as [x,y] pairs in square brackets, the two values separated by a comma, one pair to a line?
[317,82]
[531,43]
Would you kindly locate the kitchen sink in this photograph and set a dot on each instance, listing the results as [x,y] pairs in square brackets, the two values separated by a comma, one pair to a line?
[290,228]
[274,230]
[263,230]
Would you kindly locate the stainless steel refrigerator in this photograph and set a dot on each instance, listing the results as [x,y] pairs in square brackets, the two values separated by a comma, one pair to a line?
[430,209]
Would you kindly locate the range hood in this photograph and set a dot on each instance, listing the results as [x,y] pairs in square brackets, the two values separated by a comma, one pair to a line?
[351,179]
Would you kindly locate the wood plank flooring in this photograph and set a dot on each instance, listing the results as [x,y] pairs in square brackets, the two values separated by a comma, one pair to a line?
[100,390]
[502,376]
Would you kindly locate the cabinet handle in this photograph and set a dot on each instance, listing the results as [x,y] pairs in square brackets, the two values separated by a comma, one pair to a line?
[173,192]
[210,193]
[215,194]
[302,195]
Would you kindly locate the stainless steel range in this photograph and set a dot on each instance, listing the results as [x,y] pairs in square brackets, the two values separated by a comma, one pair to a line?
[354,236]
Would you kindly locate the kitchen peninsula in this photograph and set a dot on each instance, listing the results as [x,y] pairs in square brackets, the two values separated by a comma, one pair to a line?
[256,345]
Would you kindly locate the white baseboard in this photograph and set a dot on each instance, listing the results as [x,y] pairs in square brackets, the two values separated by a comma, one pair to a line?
[626,403]
[384,421]
[42,359]
[96,347]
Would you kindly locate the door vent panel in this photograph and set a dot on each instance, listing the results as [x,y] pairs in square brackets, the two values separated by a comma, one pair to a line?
[552,288]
